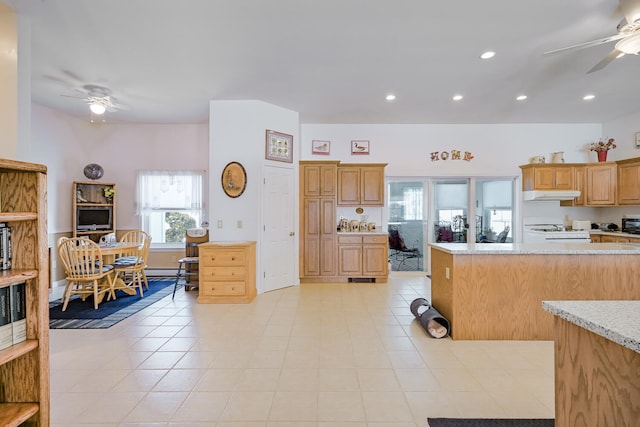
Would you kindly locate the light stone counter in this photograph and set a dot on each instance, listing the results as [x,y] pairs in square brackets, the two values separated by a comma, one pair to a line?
[538,248]
[618,321]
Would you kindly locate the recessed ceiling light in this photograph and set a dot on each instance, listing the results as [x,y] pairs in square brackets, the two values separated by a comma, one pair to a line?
[488,55]
[390,97]
[457,97]
[588,97]
[521,97]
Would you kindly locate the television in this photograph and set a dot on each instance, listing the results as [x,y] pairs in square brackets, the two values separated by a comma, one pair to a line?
[90,218]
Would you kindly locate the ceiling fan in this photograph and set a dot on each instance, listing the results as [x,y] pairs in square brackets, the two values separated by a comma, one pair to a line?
[99,99]
[628,36]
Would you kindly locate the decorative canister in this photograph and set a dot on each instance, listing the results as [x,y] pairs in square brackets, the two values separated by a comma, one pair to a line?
[355,225]
[557,157]
[371,226]
[363,226]
[537,159]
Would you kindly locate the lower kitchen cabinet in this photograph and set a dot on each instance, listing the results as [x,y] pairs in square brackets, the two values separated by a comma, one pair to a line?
[363,256]
[227,272]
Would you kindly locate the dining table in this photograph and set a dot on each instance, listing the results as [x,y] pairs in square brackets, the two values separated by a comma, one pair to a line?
[109,253]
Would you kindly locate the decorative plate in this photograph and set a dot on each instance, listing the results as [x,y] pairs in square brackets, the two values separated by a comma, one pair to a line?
[234,179]
[93,171]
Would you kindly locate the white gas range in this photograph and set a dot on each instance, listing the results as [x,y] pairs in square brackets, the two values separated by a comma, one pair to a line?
[545,230]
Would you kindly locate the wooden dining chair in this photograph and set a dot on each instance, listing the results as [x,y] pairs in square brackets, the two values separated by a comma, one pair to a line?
[86,272]
[131,264]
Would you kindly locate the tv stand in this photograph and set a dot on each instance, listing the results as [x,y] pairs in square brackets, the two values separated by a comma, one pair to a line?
[93,195]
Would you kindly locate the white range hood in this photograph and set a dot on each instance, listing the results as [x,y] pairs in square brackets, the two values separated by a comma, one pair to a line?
[550,195]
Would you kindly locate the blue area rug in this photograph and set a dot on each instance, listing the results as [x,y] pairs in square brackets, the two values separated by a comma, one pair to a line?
[81,314]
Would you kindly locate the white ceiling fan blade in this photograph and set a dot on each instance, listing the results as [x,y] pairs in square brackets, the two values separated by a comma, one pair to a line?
[605,61]
[631,10]
[76,97]
[588,44]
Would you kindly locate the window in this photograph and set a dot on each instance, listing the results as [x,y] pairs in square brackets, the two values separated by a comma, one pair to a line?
[499,219]
[169,203]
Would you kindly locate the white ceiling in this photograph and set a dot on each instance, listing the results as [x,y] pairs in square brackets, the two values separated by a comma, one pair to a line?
[333,61]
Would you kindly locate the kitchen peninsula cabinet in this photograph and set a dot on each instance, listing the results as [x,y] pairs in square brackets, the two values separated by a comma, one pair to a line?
[553,176]
[361,184]
[629,182]
[363,256]
[601,184]
[318,190]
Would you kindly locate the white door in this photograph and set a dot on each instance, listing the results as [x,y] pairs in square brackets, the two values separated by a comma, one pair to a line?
[278,249]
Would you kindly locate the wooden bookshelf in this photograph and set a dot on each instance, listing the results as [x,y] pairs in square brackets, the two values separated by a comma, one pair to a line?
[24,367]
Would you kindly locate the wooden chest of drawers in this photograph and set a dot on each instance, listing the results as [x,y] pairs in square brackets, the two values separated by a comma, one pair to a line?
[227,272]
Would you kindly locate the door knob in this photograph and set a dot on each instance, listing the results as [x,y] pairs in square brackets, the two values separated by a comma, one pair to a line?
[292,233]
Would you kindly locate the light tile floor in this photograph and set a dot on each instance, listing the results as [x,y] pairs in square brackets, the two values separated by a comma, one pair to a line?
[317,355]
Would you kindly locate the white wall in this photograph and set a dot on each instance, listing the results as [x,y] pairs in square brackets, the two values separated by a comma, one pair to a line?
[8,82]
[237,133]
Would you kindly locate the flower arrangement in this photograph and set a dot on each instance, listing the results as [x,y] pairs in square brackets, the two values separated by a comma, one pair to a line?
[109,192]
[603,146]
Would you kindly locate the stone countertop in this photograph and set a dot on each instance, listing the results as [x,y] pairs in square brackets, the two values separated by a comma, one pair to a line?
[538,248]
[617,321]
[615,233]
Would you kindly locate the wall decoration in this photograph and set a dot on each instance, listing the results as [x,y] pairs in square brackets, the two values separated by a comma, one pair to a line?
[451,155]
[279,146]
[234,179]
[320,147]
[359,147]
[93,171]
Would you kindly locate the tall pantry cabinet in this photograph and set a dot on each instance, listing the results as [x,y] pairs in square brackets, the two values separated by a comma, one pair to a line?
[318,190]
[24,366]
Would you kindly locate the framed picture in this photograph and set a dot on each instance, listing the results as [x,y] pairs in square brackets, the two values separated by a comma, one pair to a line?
[279,146]
[234,179]
[359,147]
[320,147]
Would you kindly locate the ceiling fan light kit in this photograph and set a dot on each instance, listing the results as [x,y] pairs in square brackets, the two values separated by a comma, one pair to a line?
[97,107]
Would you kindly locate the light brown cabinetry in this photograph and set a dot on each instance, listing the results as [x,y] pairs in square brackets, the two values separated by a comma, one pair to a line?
[361,184]
[579,184]
[363,256]
[318,190]
[601,184]
[24,366]
[227,272]
[94,209]
[547,177]
[629,182]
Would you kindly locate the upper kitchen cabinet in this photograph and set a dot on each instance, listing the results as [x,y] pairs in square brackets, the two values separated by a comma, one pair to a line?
[629,181]
[601,184]
[319,178]
[361,184]
[553,176]
[580,184]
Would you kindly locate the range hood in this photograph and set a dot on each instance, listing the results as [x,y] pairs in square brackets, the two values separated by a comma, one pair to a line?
[550,195]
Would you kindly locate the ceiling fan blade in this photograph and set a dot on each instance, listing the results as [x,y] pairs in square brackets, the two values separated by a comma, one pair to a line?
[588,44]
[605,61]
[76,97]
[631,10]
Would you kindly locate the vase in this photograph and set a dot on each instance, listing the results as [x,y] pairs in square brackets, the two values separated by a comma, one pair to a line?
[602,156]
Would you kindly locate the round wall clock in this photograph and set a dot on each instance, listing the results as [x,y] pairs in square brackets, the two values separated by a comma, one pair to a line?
[234,179]
[93,171]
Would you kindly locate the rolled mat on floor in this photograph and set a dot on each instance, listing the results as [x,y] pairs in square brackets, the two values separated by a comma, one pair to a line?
[431,320]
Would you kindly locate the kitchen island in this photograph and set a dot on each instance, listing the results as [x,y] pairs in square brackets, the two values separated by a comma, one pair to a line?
[597,362]
[494,291]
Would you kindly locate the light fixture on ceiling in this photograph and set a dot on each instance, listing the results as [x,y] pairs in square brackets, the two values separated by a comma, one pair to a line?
[390,97]
[588,97]
[521,97]
[630,45]
[97,107]
[457,97]
[488,54]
